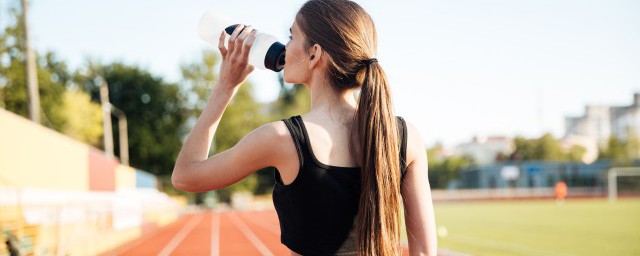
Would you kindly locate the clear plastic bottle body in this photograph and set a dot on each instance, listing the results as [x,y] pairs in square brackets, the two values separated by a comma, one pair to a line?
[259,49]
[266,52]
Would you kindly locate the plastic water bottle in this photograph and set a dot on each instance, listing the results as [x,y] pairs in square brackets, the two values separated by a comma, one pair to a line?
[266,52]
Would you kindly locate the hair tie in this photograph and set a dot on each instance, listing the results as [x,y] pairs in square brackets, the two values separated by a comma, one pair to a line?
[369,61]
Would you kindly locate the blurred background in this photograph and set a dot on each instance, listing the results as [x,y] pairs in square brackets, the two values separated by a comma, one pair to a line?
[530,111]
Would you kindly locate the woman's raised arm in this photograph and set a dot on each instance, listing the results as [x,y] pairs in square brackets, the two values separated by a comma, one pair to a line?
[194,171]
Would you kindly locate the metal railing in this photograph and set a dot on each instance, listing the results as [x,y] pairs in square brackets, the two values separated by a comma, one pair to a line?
[512,193]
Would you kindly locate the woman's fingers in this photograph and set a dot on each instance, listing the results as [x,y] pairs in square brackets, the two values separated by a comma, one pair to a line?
[238,46]
[223,50]
[248,42]
[241,38]
[234,36]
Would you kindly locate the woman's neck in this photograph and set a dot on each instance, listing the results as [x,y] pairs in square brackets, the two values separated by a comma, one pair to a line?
[326,101]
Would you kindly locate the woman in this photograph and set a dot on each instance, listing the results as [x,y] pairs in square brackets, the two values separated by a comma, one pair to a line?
[344,169]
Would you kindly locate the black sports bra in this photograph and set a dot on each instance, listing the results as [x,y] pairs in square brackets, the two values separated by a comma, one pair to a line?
[318,209]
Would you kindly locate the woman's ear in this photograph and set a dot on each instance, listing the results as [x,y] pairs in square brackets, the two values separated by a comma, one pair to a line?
[315,55]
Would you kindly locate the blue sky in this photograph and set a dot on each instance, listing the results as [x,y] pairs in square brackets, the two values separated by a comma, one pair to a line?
[457,68]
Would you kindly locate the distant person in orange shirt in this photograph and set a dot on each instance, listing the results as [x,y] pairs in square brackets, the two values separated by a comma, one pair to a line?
[561,192]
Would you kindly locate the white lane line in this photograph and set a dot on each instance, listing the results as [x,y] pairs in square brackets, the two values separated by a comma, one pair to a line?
[215,233]
[250,235]
[175,241]
[144,238]
[271,228]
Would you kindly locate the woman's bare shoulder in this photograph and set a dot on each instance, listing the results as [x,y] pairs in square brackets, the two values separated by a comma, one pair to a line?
[281,142]
[275,129]
[415,143]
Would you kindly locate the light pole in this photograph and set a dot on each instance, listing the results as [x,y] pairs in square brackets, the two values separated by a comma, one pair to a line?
[32,75]
[107,110]
[122,129]
[106,117]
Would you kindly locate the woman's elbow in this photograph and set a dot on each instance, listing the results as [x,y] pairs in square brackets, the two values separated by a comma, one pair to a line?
[183,186]
[179,181]
[189,184]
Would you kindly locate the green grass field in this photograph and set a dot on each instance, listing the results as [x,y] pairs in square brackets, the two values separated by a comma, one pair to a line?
[578,227]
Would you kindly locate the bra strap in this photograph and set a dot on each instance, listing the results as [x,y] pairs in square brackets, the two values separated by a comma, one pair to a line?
[297,136]
[402,130]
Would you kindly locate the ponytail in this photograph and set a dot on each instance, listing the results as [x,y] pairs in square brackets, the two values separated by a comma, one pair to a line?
[375,132]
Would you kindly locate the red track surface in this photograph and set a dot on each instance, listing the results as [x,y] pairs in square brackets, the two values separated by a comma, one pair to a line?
[213,233]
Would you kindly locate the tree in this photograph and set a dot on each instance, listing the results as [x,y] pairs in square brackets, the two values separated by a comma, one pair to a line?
[53,79]
[197,82]
[13,48]
[576,153]
[622,152]
[154,109]
[545,148]
[548,148]
[442,170]
[85,124]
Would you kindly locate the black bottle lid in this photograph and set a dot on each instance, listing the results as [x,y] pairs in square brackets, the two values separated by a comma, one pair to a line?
[274,59]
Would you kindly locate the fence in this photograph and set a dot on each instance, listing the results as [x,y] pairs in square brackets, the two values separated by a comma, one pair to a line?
[512,193]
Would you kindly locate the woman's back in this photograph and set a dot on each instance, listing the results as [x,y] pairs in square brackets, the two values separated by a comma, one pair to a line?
[317,210]
[329,140]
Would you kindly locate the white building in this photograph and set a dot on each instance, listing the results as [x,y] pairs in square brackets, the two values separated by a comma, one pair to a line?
[594,124]
[590,146]
[626,119]
[600,122]
[485,149]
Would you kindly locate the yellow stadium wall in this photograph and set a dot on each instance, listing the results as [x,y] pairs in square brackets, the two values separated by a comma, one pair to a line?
[32,155]
[125,177]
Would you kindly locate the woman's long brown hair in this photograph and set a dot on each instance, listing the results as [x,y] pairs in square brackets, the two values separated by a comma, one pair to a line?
[347,34]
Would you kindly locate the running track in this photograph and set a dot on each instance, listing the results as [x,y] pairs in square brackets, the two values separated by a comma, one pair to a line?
[213,233]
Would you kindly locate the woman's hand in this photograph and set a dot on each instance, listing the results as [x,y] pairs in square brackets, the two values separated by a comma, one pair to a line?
[235,67]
